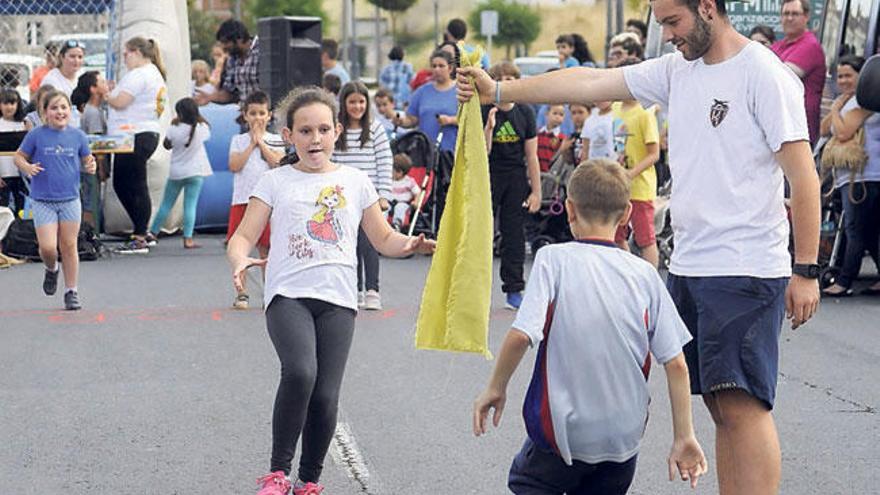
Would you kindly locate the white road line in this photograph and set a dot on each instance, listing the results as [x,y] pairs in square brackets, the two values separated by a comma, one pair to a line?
[345,453]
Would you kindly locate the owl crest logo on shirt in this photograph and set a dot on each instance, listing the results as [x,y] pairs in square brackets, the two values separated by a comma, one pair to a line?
[718,112]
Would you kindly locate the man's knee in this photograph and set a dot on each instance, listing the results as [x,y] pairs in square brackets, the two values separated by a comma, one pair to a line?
[734,408]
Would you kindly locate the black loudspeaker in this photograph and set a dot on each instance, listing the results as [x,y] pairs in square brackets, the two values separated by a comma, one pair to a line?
[868,92]
[290,54]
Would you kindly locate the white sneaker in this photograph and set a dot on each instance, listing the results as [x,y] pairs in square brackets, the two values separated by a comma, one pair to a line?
[361,299]
[372,300]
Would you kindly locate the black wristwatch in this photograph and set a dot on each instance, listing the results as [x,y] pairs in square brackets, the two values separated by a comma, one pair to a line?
[807,270]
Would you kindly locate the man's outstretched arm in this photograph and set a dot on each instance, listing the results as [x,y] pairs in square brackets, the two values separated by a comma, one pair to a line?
[577,84]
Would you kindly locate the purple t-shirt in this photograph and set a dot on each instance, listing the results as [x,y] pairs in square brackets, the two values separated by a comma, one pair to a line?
[806,53]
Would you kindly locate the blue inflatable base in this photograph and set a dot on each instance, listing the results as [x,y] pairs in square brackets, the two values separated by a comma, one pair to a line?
[213,209]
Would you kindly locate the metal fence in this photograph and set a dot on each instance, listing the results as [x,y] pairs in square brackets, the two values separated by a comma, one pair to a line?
[28,26]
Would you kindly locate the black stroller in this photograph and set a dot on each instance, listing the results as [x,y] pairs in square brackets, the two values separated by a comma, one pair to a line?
[549,225]
[426,162]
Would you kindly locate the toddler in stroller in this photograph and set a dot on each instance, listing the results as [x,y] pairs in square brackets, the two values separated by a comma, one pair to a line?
[423,159]
[404,193]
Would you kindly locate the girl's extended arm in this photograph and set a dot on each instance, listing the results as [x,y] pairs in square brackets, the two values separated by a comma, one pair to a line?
[22,161]
[245,238]
[389,242]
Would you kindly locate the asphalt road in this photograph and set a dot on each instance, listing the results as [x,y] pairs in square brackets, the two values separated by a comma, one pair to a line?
[157,387]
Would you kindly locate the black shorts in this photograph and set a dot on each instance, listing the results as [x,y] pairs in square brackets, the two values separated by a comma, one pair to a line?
[536,472]
[735,322]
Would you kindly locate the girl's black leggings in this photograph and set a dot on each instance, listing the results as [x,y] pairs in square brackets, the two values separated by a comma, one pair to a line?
[130,180]
[312,339]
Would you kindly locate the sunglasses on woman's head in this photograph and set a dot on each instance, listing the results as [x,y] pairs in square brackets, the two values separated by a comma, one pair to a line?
[74,44]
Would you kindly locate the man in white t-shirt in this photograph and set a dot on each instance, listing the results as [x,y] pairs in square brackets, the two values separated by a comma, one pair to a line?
[736,124]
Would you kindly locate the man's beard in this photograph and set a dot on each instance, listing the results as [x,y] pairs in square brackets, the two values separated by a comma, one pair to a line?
[698,40]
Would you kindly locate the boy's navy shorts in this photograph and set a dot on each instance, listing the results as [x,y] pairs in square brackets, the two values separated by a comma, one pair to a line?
[735,322]
[536,472]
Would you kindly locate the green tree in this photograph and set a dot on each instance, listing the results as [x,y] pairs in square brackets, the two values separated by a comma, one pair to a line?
[270,8]
[517,23]
[394,8]
[202,32]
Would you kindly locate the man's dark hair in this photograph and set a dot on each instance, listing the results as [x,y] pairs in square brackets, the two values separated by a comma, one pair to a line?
[396,53]
[232,30]
[693,6]
[855,62]
[457,28]
[640,25]
[330,47]
[805,5]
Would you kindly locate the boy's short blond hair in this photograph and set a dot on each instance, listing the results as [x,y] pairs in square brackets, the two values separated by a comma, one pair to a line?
[599,189]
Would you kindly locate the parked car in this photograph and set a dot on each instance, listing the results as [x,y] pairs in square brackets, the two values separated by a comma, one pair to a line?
[532,66]
[16,70]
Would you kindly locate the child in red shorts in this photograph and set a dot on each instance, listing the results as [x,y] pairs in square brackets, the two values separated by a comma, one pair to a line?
[250,155]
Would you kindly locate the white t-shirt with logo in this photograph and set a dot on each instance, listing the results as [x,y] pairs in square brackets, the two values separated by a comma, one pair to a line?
[192,160]
[244,180]
[595,312]
[314,224]
[146,85]
[726,122]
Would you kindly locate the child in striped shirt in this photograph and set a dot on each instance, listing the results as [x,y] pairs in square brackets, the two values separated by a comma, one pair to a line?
[550,136]
[364,145]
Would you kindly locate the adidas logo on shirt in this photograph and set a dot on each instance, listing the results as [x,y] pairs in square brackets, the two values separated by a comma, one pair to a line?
[506,134]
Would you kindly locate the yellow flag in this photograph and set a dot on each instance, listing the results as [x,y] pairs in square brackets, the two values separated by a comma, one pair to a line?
[454,313]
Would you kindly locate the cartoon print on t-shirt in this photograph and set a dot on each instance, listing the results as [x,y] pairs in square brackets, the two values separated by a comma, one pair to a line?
[324,227]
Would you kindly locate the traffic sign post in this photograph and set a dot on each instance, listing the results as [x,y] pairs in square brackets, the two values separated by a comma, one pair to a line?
[489,26]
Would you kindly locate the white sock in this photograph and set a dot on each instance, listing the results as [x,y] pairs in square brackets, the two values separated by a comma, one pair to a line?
[70,289]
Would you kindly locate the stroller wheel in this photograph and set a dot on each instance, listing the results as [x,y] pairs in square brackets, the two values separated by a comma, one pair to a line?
[540,242]
[828,277]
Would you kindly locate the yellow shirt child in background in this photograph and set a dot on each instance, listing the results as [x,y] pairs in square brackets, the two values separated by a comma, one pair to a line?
[641,153]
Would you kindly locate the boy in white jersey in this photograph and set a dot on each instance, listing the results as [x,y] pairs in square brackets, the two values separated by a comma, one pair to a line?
[736,124]
[587,404]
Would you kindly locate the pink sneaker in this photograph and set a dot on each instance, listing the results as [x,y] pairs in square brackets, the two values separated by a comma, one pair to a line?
[307,488]
[274,484]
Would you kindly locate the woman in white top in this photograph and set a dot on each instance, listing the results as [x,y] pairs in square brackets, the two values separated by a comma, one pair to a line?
[64,77]
[136,105]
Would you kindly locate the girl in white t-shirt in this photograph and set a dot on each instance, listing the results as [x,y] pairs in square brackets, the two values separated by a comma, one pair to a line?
[64,77]
[11,120]
[364,145]
[250,155]
[136,105]
[189,166]
[315,208]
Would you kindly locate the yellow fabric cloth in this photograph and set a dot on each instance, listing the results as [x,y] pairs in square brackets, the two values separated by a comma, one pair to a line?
[454,312]
[640,127]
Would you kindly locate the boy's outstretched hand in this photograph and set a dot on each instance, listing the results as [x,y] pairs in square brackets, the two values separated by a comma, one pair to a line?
[490,399]
[687,458]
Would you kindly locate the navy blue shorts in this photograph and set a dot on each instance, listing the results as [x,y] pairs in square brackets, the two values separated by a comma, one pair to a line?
[536,472]
[735,322]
